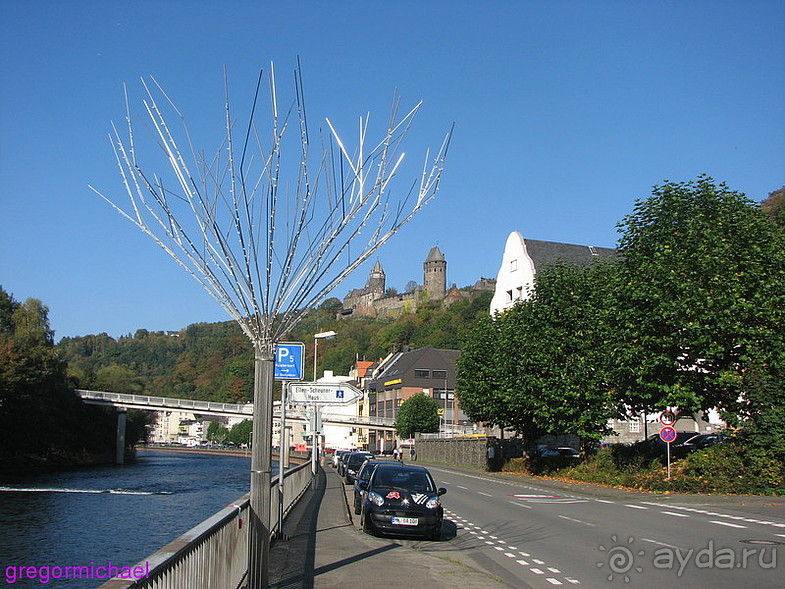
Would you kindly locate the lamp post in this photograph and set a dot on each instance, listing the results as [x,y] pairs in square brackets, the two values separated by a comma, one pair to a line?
[316,408]
[316,338]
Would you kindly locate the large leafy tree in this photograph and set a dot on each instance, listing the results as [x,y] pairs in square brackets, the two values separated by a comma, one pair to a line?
[40,417]
[537,368]
[703,297]
[419,413]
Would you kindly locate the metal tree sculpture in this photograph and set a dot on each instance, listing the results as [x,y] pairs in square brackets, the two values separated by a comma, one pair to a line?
[269,250]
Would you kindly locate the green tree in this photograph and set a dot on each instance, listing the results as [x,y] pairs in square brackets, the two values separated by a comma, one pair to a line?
[419,413]
[241,432]
[41,419]
[537,368]
[702,296]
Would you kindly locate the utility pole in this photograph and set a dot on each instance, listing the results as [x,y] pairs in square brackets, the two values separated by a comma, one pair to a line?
[267,255]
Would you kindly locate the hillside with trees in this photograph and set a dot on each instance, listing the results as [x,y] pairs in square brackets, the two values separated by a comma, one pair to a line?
[214,361]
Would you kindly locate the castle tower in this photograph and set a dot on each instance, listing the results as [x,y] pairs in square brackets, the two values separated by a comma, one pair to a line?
[376,279]
[435,274]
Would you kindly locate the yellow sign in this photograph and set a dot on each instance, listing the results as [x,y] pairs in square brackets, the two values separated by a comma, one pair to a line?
[392,382]
[440,411]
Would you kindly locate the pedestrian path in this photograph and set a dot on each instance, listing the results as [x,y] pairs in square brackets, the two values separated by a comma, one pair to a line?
[324,548]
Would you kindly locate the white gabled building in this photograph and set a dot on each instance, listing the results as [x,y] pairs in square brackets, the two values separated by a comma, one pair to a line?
[523,258]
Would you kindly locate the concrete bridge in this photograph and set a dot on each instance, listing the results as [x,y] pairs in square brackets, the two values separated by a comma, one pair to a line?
[150,403]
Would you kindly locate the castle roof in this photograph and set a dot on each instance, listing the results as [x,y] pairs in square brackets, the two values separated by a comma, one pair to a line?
[435,255]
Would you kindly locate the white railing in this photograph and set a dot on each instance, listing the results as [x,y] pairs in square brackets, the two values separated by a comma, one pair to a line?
[214,554]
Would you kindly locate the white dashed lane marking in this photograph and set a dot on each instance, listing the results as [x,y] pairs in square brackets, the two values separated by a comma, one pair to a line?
[534,565]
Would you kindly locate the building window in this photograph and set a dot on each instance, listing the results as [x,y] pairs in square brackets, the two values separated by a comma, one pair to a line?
[635,426]
[513,265]
[441,374]
[509,296]
[422,373]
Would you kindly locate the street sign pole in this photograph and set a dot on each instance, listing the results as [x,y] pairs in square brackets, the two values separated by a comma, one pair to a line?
[669,461]
[667,435]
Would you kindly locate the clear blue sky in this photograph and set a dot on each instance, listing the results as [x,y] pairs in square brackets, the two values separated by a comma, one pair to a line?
[565,112]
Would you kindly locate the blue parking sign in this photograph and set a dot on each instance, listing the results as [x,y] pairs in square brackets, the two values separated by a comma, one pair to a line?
[289,360]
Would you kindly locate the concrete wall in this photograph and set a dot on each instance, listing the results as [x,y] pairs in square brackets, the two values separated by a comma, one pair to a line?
[461,451]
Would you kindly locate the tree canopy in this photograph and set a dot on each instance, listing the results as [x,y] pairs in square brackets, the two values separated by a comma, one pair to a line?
[417,414]
[691,316]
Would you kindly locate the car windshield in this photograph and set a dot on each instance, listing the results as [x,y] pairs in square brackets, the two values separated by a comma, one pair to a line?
[414,481]
[356,459]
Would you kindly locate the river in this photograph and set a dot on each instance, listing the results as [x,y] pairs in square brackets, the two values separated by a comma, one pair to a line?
[120,514]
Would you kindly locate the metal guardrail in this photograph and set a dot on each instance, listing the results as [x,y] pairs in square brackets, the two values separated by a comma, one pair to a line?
[214,554]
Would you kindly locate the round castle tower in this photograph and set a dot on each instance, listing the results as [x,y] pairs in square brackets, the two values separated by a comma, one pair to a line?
[435,274]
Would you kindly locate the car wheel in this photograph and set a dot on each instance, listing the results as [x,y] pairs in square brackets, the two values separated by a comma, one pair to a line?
[366,524]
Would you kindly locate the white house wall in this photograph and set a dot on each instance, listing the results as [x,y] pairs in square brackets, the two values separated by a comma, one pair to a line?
[516,275]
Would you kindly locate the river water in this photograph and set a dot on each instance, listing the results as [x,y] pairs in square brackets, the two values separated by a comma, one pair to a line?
[120,514]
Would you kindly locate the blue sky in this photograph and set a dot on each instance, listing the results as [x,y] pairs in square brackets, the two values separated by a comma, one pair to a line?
[565,113]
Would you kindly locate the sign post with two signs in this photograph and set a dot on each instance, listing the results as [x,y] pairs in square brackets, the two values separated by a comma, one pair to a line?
[668,433]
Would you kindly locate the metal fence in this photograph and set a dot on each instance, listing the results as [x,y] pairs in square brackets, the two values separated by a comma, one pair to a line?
[214,554]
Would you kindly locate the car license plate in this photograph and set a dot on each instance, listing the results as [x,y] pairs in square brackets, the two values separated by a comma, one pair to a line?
[404,521]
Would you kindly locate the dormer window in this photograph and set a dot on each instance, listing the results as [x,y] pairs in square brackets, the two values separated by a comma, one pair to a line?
[513,265]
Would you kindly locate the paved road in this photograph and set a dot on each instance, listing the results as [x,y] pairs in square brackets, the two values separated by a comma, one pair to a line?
[533,534]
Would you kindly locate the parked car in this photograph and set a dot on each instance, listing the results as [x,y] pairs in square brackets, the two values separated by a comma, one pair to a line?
[353,463]
[697,442]
[361,482]
[402,499]
[337,456]
[342,462]
[560,452]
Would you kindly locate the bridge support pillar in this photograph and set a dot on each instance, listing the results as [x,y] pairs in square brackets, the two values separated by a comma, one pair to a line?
[120,445]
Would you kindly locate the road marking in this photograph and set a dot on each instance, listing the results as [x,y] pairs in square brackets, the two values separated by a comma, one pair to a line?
[730,525]
[577,521]
[674,514]
[554,570]
[520,504]
[522,563]
[484,494]
[460,487]
[553,581]
[537,561]
[604,501]
[509,555]
[573,581]
[537,571]
[635,506]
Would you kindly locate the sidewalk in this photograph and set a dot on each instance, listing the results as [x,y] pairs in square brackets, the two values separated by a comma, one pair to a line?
[324,548]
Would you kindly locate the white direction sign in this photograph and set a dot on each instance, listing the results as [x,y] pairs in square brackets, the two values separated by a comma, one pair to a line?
[314,393]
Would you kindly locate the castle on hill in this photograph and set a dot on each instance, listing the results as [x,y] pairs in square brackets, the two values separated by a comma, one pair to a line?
[374,301]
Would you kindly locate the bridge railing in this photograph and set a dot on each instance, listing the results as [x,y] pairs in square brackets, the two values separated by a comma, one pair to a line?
[214,554]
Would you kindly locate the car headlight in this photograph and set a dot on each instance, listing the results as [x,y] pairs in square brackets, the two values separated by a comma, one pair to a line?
[376,499]
[433,503]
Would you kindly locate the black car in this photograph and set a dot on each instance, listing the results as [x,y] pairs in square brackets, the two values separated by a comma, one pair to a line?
[352,464]
[361,482]
[697,442]
[402,499]
[342,462]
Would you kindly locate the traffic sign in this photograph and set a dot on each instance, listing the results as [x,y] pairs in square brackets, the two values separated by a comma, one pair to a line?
[289,361]
[667,417]
[667,434]
[316,393]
